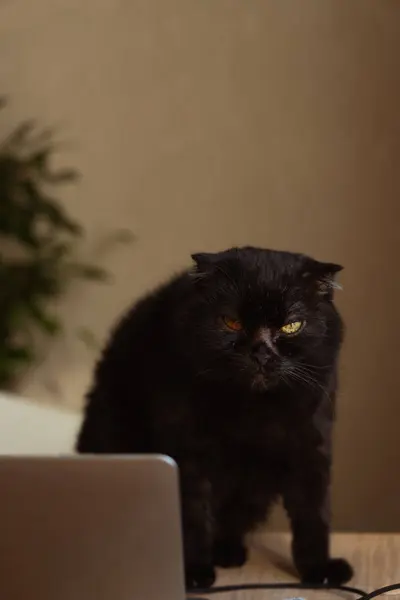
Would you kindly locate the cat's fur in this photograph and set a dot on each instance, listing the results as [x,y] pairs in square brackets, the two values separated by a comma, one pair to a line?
[247,415]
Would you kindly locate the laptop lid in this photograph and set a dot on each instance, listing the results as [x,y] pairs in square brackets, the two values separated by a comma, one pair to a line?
[90,528]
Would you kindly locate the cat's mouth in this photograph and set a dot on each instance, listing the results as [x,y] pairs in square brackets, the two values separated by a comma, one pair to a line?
[259,382]
[263,380]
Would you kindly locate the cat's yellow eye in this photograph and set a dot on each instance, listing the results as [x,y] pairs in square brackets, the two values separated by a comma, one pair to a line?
[292,328]
[233,324]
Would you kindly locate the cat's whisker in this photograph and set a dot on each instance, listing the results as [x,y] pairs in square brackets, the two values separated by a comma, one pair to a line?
[305,377]
[315,367]
[307,370]
[302,375]
[286,380]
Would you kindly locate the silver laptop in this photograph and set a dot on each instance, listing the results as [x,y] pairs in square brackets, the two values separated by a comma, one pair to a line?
[90,528]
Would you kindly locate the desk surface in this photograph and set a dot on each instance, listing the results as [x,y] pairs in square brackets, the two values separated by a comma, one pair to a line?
[375,559]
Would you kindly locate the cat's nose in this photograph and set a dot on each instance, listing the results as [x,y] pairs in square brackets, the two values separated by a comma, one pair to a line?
[261,354]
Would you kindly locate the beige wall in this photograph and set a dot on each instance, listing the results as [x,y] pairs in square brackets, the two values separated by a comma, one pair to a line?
[206,124]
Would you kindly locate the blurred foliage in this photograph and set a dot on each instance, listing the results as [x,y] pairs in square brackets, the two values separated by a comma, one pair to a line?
[37,242]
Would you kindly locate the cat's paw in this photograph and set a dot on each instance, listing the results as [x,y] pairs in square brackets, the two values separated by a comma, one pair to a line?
[336,571]
[228,553]
[199,576]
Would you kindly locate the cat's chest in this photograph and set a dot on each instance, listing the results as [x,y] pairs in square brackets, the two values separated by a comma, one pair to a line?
[249,436]
[263,433]
[265,426]
[244,451]
[243,455]
[263,422]
[238,440]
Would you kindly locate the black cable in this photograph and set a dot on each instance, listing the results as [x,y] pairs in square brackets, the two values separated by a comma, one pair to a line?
[295,586]
[382,590]
[277,586]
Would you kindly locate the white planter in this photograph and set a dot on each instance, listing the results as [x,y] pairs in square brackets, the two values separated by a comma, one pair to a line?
[29,428]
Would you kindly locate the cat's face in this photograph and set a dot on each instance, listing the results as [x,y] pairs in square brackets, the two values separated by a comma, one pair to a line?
[262,317]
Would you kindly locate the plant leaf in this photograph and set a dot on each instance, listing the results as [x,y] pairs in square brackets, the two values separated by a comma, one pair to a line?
[19,136]
[87,337]
[47,323]
[90,272]
[62,176]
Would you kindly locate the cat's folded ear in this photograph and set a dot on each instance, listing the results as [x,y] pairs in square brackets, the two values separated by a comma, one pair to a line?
[323,276]
[204,262]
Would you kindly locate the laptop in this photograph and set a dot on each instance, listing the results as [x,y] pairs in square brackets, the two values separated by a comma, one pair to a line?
[90,528]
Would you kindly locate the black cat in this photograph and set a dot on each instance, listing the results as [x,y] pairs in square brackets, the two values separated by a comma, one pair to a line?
[231,369]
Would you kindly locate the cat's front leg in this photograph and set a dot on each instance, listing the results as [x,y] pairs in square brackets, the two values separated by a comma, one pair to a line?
[198,528]
[307,501]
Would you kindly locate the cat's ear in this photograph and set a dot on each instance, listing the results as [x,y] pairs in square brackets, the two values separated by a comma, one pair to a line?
[324,277]
[204,262]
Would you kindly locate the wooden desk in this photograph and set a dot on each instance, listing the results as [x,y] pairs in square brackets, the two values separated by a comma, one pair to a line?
[375,559]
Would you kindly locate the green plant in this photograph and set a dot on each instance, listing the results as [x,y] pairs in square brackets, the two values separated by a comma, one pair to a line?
[37,243]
